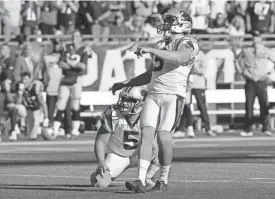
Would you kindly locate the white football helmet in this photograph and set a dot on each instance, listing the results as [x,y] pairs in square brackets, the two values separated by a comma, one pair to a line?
[131,99]
[177,21]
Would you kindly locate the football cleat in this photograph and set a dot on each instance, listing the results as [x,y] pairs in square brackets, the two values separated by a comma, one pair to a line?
[13,136]
[160,187]
[190,132]
[211,133]
[246,134]
[267,133]
[135,186]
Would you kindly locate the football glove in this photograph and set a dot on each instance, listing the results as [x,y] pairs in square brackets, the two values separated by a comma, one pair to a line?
[139,52]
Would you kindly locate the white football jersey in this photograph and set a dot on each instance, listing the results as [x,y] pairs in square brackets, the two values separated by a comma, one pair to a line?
[171,77]
[125,137]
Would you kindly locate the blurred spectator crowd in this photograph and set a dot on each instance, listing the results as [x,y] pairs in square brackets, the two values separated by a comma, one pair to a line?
[103,19]
[140,18]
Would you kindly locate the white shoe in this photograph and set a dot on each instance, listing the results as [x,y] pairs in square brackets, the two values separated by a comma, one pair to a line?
[211,133]
[13,136]
[17,130]
[245,134]
[179,134]
[75,133]
[267,133]
[190,132]
[61,132]
[68,136]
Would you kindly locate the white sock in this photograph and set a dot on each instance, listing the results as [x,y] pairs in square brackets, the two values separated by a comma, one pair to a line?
[152,170]
[142,170]
[75,126]
[164,173]
[56,125]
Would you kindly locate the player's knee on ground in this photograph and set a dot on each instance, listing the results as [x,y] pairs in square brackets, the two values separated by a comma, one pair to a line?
[100,181]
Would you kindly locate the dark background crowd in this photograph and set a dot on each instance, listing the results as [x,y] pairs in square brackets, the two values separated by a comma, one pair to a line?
[106,18]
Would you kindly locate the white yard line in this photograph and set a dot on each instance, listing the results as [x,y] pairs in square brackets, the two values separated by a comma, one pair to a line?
[47,143]
[183,140]
[122,180]
[261,178]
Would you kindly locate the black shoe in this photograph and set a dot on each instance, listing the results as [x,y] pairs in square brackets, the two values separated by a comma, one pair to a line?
[135,186]
[160,187]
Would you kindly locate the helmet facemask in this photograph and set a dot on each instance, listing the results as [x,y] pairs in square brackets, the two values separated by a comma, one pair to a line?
[129,105]
[176,24]
[169,21]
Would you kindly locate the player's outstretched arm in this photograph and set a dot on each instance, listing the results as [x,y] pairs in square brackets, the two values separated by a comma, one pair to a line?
[101,140]
[182,56]
[186,51]
[140,80]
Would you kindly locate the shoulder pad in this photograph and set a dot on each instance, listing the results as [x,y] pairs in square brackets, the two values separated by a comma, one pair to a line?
[107,118]
[188,43]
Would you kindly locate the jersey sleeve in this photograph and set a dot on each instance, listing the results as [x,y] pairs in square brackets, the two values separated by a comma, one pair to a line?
[106,119]
[191,45]
[86,54]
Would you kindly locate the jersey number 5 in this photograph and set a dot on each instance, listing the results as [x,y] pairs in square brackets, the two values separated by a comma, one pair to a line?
[130,140]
